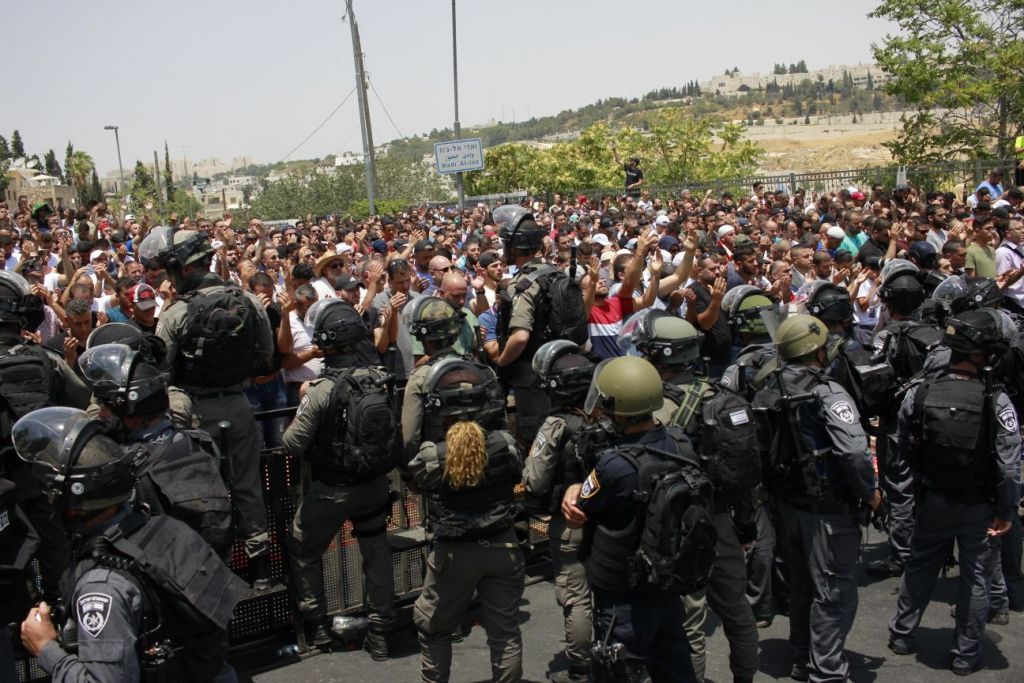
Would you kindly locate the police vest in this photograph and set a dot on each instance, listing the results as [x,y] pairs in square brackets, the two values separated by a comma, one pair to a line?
[182,479]
[486,509]
[189,593]
[27,382]
[951,438]
[611,541]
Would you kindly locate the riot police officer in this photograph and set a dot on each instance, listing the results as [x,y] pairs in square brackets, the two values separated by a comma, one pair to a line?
[743,306]
[518,316]
[218,338]
[640,621]
[153,352]
[436,324]
[179,471]
[960,434]
[672,345]
[32,377]
[145,594]
[819,468]
[350,459]
[554,464]
[468,477]
[903,343]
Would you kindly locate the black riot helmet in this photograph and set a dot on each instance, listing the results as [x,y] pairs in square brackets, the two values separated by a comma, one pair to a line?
[17,303]
[985,330]
[979,292]
[459,389]
[336,325]
[123,381]
[826,301]
[518,228]
[151,347]
[77,465]
[165,247]
[563,369]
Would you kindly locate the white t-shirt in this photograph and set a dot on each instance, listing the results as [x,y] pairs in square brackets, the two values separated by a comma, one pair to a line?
[869,316]
[302,340]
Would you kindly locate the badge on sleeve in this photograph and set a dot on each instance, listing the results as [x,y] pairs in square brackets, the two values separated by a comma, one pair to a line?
[302,404]
[843,411]
[590,486]
[93,611]
[1008,419]
[538,443]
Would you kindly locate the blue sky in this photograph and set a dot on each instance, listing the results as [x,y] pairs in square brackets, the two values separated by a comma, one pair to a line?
[231,77]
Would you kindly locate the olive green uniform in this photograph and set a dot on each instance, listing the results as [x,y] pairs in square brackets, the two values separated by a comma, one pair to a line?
[571,588]
[532,403]
[324,509]
[217,404]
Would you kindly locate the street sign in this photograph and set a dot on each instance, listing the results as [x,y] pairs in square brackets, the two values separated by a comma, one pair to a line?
[457,156]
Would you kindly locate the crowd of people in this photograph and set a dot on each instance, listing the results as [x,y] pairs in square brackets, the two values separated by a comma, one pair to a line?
[782,366]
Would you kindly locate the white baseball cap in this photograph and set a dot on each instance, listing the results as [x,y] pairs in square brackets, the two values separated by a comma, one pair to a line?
[835,232]
[725,230]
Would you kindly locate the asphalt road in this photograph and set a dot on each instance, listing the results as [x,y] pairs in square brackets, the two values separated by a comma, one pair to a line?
[870,659]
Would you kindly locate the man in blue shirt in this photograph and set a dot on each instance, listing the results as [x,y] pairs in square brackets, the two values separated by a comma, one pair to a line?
[994,184]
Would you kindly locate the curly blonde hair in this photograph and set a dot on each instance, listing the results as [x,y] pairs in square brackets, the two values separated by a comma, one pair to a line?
[466,456]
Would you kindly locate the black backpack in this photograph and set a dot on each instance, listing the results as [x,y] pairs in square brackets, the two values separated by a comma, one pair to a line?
[221,336]
[870,381]
[675,501]
[366,427]
[559,312]
[909,346]
[723,424]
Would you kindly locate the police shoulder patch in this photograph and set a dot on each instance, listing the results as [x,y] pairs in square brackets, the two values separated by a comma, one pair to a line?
[843,411]
[1008,419]
[93,612]
[590,486]
[538,443]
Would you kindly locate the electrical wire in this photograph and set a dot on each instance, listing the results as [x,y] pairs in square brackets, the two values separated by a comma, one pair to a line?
[322,124]
[386,112]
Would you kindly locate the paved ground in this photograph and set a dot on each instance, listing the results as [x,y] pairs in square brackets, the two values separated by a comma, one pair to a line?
[871,660]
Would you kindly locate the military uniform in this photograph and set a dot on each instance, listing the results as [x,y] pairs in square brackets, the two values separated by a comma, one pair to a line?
[726,589]
[549,469]
[332,498]
[647,621]
[533,404]
[956,503]
[217,404]
[819,532]
[475,548]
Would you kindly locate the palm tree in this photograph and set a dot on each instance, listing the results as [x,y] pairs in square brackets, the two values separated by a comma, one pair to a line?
[79,169]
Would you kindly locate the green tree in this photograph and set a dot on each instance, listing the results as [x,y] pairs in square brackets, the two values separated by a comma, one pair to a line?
[779,69]
[95,192]
[50,165]
[5,149]
[143,187]
[168,174]
[68,154]
[79,167]
[959,64]
[17,145]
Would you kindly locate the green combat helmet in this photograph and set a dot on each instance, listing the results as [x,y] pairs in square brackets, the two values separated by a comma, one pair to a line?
[662,338]
[435,319]
[800,335]
[743,306]
[625,387]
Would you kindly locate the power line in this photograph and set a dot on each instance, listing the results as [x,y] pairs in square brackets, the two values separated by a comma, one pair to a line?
[386,113]
[322,124]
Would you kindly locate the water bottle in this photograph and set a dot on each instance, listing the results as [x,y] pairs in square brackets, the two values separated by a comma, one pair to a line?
[288,651]
[349,629]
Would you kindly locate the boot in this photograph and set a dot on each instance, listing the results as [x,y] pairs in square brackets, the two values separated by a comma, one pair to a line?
[318,634]
[575,674]
[260,571]
[887,568]
[376,643]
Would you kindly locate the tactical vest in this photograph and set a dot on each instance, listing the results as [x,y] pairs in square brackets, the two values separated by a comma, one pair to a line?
[182,479]
[28,381]
[506,302]
[609,544]
[484,510]
[951,438]
[189,593]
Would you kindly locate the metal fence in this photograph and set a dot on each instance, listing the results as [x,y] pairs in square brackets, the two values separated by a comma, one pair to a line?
[946,177]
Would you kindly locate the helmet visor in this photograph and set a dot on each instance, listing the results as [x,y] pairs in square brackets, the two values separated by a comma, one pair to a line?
[594,395]
[772,318]
[634,331]
[45,438]
[894,267]
[550,352]
[155,248]
[107,367]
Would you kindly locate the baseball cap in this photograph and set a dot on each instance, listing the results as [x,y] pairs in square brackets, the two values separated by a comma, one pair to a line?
[343,248]
[143,296]
[742,239]
[607,256]
[96,253]
[668,242]
[422,245]
[380,246]
[346,281]
[924,251]
[601,239]
[662,220]
[129,216]
[835,232]
[489,258]
[725,230]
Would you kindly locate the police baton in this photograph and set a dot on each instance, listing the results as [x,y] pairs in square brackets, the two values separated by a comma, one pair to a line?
[223,427]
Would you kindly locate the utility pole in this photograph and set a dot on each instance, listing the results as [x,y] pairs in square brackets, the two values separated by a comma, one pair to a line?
[184,160]
[156,181]
[458,128]
[369,166]
[120,166]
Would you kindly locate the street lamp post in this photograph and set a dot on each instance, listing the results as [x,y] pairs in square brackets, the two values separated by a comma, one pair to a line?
[120,166]
[458,128]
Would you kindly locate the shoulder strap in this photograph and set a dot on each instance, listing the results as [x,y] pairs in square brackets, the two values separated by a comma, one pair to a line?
[691,399]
